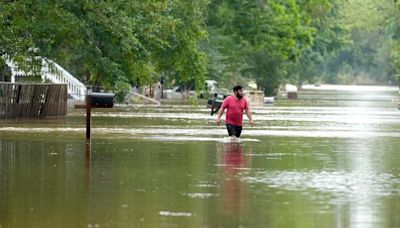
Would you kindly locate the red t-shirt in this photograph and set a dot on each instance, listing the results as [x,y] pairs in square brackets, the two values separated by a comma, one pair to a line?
[235,107]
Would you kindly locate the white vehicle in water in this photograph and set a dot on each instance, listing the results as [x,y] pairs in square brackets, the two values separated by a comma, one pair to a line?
[179,92]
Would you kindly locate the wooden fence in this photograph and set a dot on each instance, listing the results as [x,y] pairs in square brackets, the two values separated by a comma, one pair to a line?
[22,100]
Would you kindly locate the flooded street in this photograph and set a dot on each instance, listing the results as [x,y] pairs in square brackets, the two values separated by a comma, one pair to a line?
[329,159]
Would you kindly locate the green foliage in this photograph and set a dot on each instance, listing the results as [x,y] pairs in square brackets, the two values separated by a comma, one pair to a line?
[368,57]
[254,39]
[329,37]
[108,43]
[116,44]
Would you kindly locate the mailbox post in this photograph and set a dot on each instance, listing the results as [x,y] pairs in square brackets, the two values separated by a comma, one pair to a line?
[95,100]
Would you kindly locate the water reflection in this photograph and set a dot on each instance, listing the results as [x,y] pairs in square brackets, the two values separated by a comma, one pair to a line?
[88,153]
[364,209]
[232,162]
[36,184]
[5,181]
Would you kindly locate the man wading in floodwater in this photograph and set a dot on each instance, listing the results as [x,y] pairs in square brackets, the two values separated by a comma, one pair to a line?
[235,104]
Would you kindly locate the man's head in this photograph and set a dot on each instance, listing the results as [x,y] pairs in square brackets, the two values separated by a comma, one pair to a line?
[238,91]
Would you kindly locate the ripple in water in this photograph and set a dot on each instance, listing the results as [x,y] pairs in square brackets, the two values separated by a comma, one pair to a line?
[175,214]
[200,195]
[344,185]
[197,134]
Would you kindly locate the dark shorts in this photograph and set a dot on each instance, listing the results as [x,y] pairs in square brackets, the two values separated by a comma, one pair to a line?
[234,130]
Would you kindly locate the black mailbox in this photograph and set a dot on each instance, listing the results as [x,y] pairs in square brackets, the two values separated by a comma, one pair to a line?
[100,100]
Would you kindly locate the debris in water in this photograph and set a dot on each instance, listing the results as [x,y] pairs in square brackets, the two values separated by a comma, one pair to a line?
[176,214]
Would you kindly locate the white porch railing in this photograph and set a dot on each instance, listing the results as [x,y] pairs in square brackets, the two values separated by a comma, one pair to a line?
[56,74]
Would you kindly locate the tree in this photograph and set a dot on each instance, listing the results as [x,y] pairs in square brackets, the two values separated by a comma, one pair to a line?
[107,43]
[256,39]
[368,57]
[329,37]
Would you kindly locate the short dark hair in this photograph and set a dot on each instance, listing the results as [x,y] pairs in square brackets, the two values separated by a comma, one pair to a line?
[237,88]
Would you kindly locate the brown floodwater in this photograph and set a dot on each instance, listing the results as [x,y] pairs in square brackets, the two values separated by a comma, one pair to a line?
[329,159]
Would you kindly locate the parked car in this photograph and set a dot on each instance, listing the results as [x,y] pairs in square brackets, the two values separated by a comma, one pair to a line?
[178,92]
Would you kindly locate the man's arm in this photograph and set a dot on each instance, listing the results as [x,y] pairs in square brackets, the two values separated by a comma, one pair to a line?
[220,112]
[248,113]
